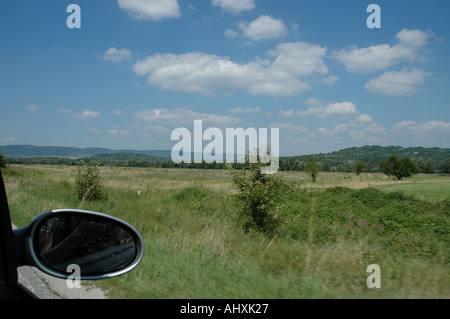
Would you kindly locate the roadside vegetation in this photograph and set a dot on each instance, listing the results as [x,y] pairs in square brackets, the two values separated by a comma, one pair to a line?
[199,245]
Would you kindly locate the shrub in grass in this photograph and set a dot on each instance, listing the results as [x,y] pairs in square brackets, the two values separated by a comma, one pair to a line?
[259,197]
[88,183]
[313,167]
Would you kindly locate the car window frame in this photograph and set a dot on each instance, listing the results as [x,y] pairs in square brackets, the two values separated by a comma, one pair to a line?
[7,255]
[10,288]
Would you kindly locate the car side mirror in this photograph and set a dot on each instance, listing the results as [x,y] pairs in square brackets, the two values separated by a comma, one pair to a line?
[101,246]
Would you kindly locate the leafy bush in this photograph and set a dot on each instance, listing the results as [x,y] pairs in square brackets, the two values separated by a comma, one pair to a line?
[445,166]
[259,197]
[359,167]
[89,183]
[3,161]
[313,167]
[399,167]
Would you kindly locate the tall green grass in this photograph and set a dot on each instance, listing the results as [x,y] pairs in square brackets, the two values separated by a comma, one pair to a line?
[195,246]
[433,192]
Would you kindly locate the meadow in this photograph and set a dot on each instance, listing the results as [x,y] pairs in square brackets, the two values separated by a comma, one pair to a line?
[328,232]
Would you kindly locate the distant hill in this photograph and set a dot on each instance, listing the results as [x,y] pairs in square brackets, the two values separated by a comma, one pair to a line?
[19,151]
[377,153]
[340,161]
[370,154]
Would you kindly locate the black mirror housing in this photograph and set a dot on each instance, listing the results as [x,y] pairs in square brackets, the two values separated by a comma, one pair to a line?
[101,246]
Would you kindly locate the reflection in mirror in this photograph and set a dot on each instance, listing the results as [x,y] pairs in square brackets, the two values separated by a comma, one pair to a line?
[93,243]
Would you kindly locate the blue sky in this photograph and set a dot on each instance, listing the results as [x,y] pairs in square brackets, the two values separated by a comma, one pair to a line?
[138,69]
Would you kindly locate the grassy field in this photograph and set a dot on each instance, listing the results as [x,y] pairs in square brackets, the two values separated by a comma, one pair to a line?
[427,191]
[328,233]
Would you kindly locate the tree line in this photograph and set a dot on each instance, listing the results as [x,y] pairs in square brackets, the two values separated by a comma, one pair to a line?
[426,166]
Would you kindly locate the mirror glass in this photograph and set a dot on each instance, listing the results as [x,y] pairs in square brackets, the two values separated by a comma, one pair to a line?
[97,245]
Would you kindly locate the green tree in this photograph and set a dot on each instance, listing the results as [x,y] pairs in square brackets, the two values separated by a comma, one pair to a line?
[89,183]
[3,161]
[445,166]
[259,197]
[326,165]
[430,167]
[312,167]
[359,167]
[399,167]
[292,164]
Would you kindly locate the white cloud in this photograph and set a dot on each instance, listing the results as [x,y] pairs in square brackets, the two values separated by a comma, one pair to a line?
[117,55]
[379,57]
[9,140]
[290,128]
[86,115]
[359,129]
[229,33]
[81,116]
[339,109]
[32,107]
[234,6]
[288,113]
[240,110]
[331,80]
[317,109]
[151,9]
[95,130]
[361,120]
[299,59]
[182,116]
[118,132]
[413,38]
[421,128]
[398,82]
[206,74]
[264,27]
[376,128]
[373,58]
[340,134]
[156,128]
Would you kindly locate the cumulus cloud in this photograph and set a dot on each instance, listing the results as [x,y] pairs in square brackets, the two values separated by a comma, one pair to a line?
[317,109]
[413,38]
[182,116]
[341,133]
[10,139]
[117,55]
[338,109]
[151,9]
[361,120]
[331,80]
[264,27]
[118,132]
[95,130]
[421,128]
[240,110]
[299,59]
[291,128]
[206,74]
[86,115]
[229,33]
[402,82]
[156,128]
[32,107]
[378,57]
[234,6]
